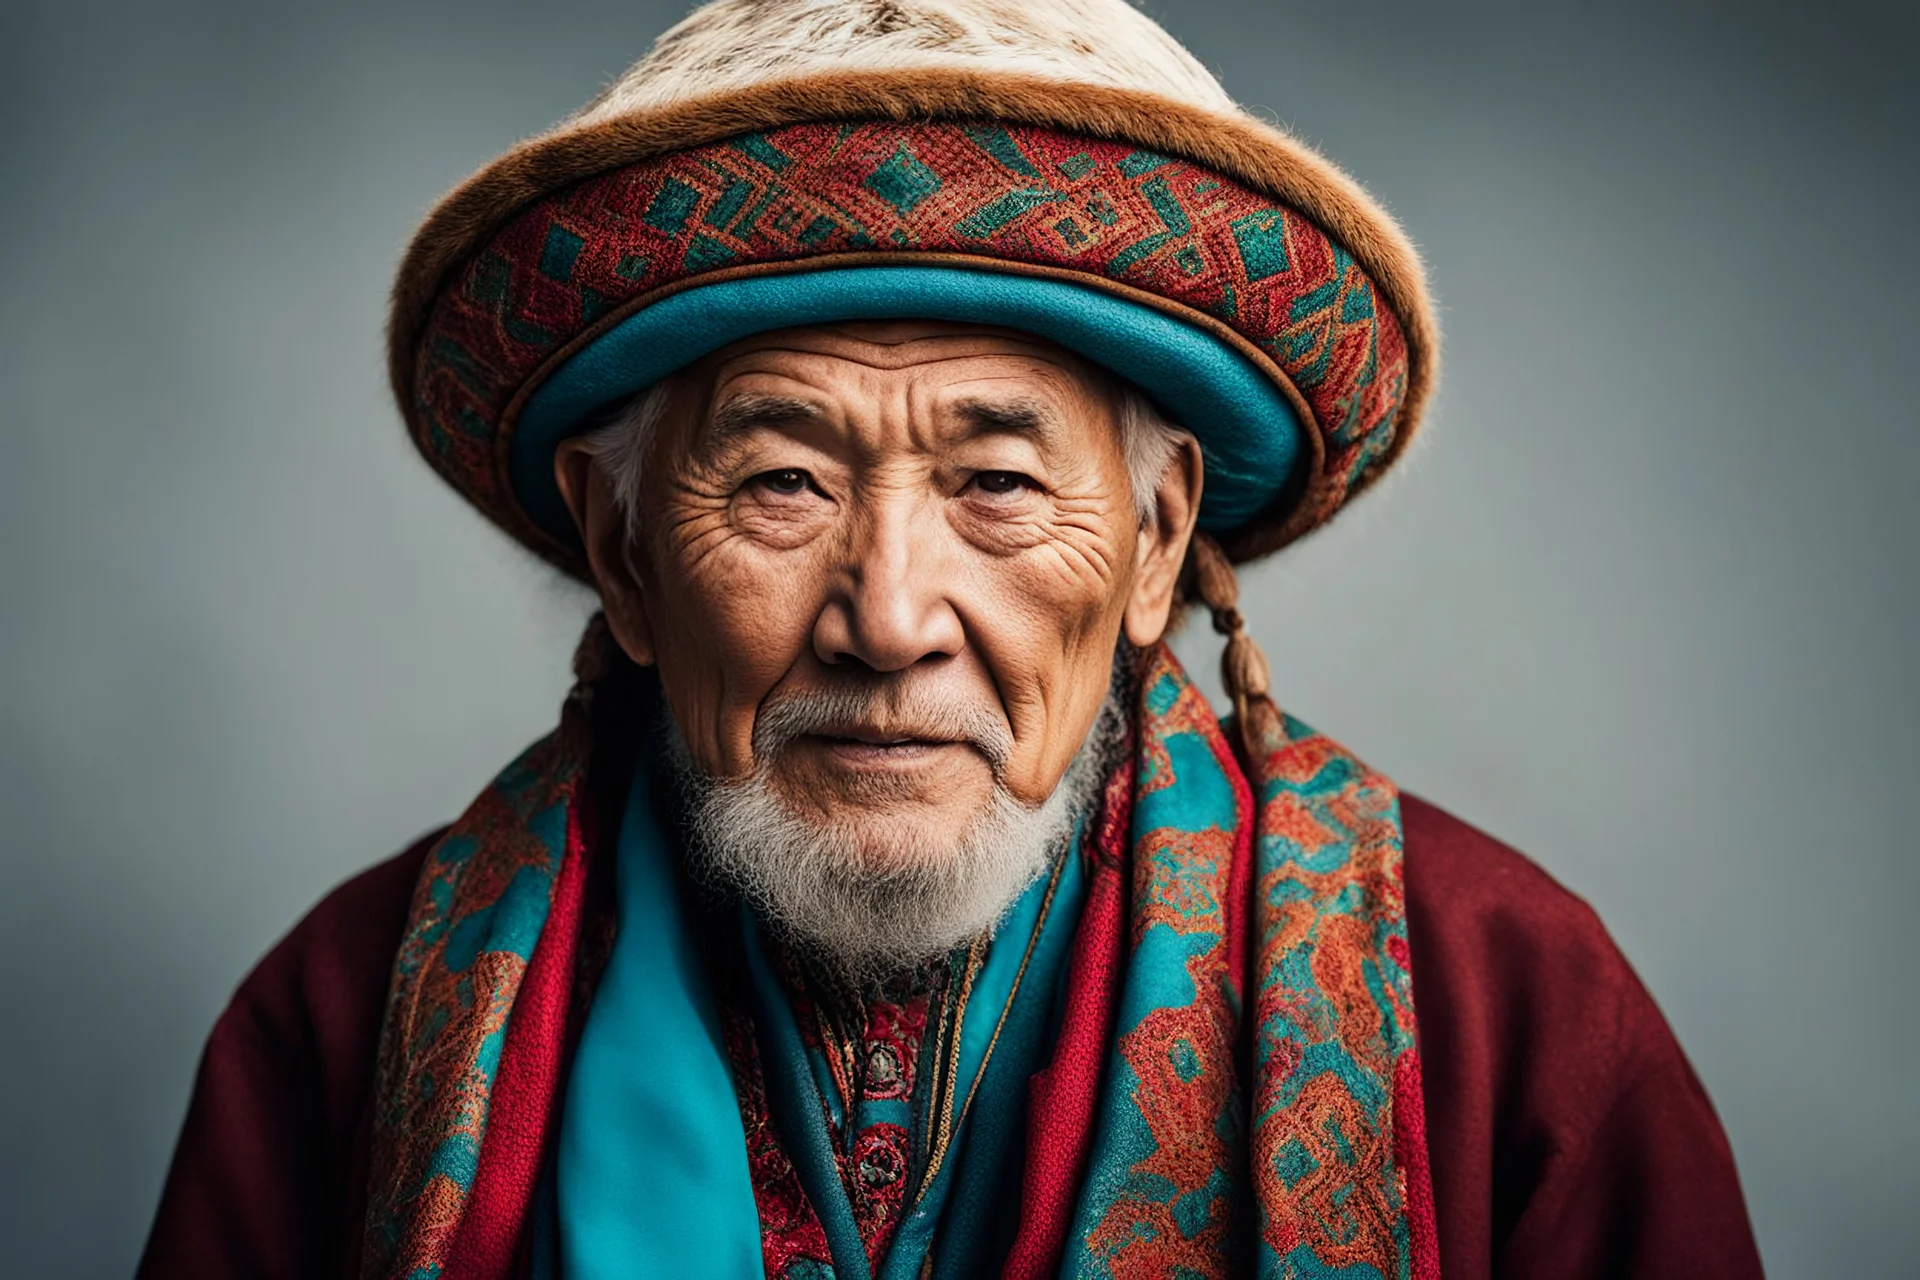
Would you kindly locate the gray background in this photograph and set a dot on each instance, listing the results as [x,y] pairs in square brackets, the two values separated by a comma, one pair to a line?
[1642,604]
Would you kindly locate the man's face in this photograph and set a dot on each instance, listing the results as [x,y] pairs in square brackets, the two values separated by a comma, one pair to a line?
[886,566]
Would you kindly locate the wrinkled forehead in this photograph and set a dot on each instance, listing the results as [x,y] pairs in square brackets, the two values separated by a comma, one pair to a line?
[904,345]
[983,375]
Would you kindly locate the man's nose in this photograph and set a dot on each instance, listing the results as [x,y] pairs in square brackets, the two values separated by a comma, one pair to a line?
[891,606]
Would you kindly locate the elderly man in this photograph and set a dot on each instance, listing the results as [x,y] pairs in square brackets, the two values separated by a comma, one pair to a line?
[887,902]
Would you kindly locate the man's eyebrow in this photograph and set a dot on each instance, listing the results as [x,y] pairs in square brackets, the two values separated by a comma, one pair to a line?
[1033,418]
[745,412]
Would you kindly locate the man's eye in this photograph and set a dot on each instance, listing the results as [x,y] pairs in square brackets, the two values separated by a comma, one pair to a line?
[788,480]
[1002,482]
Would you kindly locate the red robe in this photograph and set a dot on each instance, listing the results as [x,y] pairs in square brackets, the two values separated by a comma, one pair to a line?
[1568,1135]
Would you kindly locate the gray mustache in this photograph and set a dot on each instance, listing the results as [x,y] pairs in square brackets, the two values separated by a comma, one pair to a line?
[907,711]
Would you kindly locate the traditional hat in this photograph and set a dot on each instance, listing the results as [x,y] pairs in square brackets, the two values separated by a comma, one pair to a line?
[1062,167]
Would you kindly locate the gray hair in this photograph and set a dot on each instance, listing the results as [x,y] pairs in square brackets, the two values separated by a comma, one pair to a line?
[619,445]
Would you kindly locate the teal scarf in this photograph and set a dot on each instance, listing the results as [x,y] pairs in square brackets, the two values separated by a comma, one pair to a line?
[652,1164]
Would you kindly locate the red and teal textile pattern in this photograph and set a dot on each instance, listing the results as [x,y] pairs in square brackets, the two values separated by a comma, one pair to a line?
[476,1020]
[1027,196]
[1339,1131]
[1179,1124]
[1296,871]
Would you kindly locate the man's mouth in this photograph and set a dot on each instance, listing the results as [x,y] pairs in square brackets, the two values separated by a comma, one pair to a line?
[877,737]
[850,735]
[860,746]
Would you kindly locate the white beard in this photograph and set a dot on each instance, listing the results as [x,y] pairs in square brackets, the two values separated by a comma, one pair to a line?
[870,909]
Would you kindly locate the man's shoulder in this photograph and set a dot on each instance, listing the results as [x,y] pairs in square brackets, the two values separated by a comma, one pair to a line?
[1480,876]
[266,1176]
[1564,1122]
[329,973]
[1473,900]
[370,903]
[1503,952]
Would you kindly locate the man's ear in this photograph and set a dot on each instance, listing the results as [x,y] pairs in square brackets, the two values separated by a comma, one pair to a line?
[606,534]
[1162,548]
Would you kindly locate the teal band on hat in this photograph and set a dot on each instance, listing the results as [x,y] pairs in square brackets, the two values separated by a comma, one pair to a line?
[1249,432]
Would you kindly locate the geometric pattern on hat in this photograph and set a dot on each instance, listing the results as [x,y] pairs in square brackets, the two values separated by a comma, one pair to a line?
[1156,229]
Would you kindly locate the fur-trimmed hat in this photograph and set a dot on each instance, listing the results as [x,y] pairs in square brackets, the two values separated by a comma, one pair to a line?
[1060,166]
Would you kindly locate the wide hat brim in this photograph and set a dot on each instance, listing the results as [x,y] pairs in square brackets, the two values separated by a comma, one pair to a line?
[499,341]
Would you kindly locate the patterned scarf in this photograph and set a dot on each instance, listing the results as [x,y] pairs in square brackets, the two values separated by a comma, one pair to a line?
[1178,1126]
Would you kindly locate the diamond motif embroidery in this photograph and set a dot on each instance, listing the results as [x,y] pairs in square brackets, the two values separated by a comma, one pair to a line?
[903,181]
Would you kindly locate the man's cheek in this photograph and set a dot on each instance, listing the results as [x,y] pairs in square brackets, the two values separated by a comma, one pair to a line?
[737,584]
[749,625]
[1041,622]
[1048,642]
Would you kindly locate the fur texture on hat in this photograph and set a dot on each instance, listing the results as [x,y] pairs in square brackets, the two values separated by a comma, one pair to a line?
[1098,68]
[738,44]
